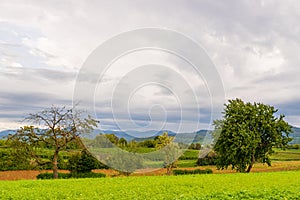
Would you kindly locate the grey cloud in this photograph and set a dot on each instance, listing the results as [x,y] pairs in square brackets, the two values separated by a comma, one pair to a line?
[289,108]
[233,32]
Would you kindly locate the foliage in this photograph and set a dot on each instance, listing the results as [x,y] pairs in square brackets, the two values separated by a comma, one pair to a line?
[125,163]
[47,175]
[276,185]
[83,162]
[14,158]
[248,133]
[62,127]
[196,146]
[170,149]
[122,142]
[71,175]
[148,143]
[209,159]
[112,138]
[196,171]
[99,141]
[218,125]
[88,175]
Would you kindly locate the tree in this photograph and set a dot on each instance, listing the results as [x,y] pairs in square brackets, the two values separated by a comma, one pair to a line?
[147,143]
[84,162]
[248,133]
[112,138]
[57,127]
[218,124]
[124,163]
[122,142]
[170,150]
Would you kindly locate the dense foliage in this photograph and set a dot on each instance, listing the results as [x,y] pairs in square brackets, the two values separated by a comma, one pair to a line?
[248,134]
[62,126]
[209,159]
[196,171]
[71,175]
[83,162]
[170,150]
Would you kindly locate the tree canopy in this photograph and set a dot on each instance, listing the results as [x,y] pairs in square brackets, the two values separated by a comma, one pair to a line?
[56,127]
[247,134]
[170,150]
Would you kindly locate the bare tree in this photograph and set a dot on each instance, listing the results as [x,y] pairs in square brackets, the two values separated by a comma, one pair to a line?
[56,127]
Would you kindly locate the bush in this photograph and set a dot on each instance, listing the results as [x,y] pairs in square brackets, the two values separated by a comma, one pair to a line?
[50,176]
[196,171]
[88,175]
[12,159]
[84,162]
[209,159]
[71,175]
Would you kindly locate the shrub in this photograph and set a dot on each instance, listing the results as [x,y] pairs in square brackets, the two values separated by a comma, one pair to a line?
[71,175]
[50,176]
[209,159]
[12,159]
[196,171]
[88,175]
[84,162]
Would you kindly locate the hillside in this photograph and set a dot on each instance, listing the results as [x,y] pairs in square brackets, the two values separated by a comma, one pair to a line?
[198,136]
[295,135]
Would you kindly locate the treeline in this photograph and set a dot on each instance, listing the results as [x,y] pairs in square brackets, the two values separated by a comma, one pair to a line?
[16,157]
[73,157]
[132,144]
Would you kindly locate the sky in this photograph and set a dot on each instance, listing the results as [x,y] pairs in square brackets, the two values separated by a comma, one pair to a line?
[44,46]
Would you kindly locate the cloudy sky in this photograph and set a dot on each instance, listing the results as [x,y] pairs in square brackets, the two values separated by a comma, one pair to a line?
[254,46]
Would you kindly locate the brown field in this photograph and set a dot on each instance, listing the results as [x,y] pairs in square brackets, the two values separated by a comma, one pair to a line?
[276,166]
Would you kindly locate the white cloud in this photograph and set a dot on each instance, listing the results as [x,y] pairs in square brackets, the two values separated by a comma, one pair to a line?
[254,44]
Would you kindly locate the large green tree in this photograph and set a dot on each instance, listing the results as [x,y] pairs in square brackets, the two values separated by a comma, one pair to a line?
[247,135]
[56,127]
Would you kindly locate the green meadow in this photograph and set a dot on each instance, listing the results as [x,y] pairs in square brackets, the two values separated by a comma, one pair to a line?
[273,185]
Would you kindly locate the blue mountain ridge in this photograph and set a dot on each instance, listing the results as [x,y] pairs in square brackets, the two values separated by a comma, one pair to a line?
[143,135]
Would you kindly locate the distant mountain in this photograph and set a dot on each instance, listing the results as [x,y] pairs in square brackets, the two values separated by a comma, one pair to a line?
[5,133]
[198,136]
[295,135]
[135,135]
[194,137]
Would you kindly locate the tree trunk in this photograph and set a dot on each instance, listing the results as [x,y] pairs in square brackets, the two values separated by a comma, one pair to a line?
[169,170]
[54,163]
[252,163]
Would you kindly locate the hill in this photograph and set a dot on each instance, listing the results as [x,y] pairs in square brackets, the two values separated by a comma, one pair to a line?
[295,135]
[5,133]
[198,136]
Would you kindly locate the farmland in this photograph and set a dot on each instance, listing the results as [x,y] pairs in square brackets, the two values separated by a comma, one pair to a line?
[274,185]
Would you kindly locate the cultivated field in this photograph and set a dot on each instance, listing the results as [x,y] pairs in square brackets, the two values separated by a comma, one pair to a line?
[274,185]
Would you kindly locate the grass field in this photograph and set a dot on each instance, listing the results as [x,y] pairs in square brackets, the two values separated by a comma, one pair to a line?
[286,155]
[275,185]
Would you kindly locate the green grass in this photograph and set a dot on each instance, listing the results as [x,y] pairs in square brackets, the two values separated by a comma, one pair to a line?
[276,185]
[286,155]
[190,154]
[186,163]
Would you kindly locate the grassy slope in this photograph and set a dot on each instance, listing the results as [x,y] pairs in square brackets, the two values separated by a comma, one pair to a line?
[276,185]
